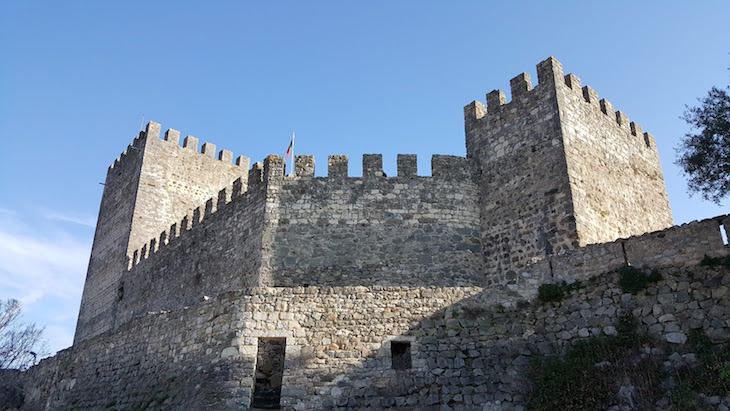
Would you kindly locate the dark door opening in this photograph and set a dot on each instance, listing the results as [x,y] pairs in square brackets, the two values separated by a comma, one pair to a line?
[401,354]
[269,373]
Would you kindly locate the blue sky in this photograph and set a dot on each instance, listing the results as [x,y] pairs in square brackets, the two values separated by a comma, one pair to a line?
[350,77]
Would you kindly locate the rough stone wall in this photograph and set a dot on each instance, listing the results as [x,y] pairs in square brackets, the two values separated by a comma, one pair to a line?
[523,193]
[560,170]
[615,176]
[553,170]
[679,246]
[312,231]
[11,389]
[526,206]
[175,180]
[207,253]
[405,230]
[111,238]
[161,361]
[466,353]
[154,183]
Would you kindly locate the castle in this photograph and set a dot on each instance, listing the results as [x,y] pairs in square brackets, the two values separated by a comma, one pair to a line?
[215,284]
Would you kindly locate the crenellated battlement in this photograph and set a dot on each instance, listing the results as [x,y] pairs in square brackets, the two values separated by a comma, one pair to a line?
[193,219]
[521,90]
[553,170]
[136,144]
[590,96]
[442,166]
[239,189]
[235,282]
[566,134]
[172,137]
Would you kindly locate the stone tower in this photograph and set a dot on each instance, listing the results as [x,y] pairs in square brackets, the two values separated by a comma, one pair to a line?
[553,170]
[154,182]
[560,170]
[212,286]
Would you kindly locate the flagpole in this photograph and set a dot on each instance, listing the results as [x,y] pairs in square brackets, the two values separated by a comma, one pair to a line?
[291,171]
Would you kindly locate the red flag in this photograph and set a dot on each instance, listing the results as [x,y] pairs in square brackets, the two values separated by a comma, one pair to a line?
[291,146]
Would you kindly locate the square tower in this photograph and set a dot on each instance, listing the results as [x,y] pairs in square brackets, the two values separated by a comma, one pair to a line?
[560,170]
[153,183]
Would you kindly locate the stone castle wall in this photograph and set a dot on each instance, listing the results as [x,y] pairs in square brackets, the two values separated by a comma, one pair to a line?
[111,238]
[520,196]
[154,183]
[466,352]
[166,357]
[525,191]
[679,246]
[615,175]
[195,260]
[175,180]
[179,269]
[560,170]
[404,230]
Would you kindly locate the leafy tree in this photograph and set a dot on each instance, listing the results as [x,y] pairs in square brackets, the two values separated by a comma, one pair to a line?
[705,155]
[20,343]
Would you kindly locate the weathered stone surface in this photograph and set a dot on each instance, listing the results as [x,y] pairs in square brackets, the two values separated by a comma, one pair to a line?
[676,337]
[154,184]
[197,261]
[337,344]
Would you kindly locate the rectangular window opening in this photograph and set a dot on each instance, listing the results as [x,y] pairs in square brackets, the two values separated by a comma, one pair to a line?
[269,373]
[401,353]
[723,233]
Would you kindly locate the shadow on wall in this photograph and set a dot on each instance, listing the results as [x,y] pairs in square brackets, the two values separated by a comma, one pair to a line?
[468,354]
[474,354]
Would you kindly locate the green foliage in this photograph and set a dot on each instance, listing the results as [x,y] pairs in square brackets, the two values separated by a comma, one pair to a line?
[550,292]
[573,383]
[725,373]
[632,280]
[553,292]
[704,155]
[627,336]
[699,343]
[716,261]
[684,398]
[585,377]
[711,375]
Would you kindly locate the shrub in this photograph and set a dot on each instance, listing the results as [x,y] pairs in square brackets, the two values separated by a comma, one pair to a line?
[685,399]
[716,261]
[632,280]
[699,343]
[585,377]
[725,373]
[627,335]
[711,374]
[550,292]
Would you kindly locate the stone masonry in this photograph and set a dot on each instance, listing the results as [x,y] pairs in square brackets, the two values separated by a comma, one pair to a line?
[212,285]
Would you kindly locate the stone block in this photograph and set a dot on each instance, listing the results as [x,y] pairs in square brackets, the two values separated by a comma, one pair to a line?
[372,165]
[407,165]
[337,166]
[304,165]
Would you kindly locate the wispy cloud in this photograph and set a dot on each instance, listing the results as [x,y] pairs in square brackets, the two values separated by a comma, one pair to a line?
[75,218]
[44,267]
